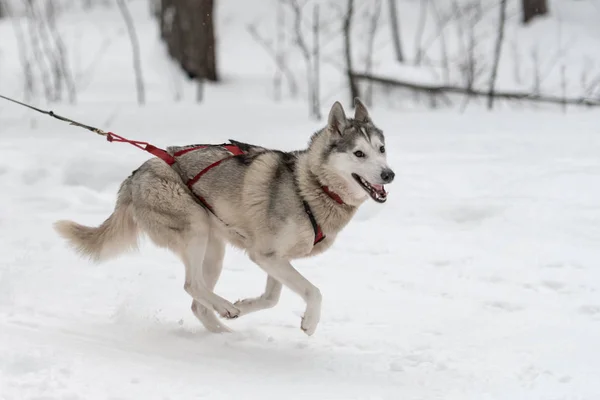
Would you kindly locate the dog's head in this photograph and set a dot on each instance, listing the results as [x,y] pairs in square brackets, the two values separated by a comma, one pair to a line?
[357,154]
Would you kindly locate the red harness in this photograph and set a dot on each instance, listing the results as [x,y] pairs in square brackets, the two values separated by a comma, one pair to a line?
[235,151]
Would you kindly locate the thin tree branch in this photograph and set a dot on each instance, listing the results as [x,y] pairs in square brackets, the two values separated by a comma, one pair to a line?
[135,51]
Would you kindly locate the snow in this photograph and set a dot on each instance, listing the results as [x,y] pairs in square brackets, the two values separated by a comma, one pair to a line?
[478,279]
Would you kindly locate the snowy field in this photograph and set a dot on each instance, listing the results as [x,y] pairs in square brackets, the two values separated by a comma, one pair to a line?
[478,279]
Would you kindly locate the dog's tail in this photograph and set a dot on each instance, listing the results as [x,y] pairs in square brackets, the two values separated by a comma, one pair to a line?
[114,236]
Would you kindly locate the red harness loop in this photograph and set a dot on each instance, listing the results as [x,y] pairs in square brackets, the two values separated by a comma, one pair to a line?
[155,151]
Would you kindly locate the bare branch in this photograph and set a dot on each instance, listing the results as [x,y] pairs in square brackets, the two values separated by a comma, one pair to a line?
[37,52]
[420,31]
[280,62]
[443,48]
[316,103]
[348,51]
[373,24]
[436,90]
[135,51]
[22,49]
[497,53]
[306,54]
[395,27]
[61,52]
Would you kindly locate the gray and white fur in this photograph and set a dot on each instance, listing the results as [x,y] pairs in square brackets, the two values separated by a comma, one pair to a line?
[258,199]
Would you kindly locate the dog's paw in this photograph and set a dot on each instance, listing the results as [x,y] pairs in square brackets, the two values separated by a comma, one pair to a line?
[244,305]
[309,324]
[228,311]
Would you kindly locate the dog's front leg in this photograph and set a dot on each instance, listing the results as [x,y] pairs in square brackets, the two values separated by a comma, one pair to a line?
[268,299]
[284,272]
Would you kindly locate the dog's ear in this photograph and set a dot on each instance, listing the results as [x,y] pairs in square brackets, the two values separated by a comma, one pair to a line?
[360,111]
[337,118]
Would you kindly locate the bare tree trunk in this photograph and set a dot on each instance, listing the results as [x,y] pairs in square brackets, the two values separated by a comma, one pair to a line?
[188,30]
[37,51]
[348,51]
[563,86]
[279,56]
[533,8]
[3,11]
[373,23]
[155,8]
[50,53]
[206,57]
[306,54]
[28,81]
[60,56]
[497,53]
[395,26]
[165,18]
[443,46]
[135,51]
[316,103]
[420,31]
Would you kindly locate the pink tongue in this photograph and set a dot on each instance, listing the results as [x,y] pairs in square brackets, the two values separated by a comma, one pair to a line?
[379,188]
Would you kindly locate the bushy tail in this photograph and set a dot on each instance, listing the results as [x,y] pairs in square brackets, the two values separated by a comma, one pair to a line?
[114,236]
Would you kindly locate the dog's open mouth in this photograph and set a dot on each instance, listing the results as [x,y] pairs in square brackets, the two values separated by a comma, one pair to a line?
[377,192]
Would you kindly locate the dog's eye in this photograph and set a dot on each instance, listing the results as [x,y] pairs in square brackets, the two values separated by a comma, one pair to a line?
[382,149]
[359,154]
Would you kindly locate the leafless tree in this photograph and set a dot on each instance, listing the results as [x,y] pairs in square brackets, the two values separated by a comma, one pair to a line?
[49,53]
[187,27]
[373,23]
[280,60]
[2,9]
[533,8]
[39,57]
[312,67]
[436,90]
[441,23]
[395,27]
[28,81]
[135,51]
[471,65]
[278,51]
[563,86]
[497,53]
[516,59]
[316,101]
[61,64]
[303,47]
[420,31]
[347,27]
[154,7]
[537,78]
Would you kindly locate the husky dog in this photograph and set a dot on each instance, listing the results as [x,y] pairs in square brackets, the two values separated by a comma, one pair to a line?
[277,206]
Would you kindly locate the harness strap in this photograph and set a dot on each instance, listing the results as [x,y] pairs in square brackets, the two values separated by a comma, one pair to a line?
[192,181]
[333,195]
[233,149]
[319,236]
[155,151]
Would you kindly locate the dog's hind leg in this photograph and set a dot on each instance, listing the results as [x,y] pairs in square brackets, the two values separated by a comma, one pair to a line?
[211,270]
[193,255]
[268,299]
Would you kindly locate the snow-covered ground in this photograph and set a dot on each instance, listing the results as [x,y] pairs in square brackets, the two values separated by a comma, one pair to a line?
[478,279]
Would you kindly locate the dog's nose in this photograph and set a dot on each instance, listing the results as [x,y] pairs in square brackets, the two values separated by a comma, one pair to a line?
[387,175]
